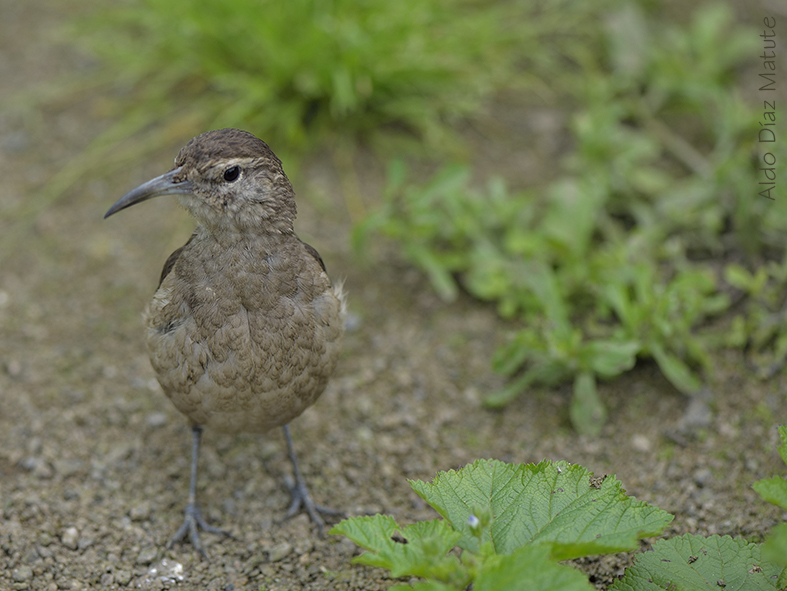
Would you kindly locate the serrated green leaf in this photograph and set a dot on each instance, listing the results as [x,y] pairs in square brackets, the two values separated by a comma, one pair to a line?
[689,563]
[588,414]
[424,554]
[371,532]
[773,490]
[529,569]
[545,503]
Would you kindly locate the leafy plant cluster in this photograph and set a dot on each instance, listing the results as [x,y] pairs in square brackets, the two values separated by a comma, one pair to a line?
[506,527]
[616,260]
[513,523]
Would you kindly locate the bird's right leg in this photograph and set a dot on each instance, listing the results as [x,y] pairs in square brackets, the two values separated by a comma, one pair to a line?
[193,520]
[301,497]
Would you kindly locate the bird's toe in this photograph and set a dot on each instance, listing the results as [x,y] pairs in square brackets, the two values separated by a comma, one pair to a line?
[302,500]
[192,523]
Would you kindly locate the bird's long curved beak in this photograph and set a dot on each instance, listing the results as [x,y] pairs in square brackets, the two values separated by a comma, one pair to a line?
[161,185]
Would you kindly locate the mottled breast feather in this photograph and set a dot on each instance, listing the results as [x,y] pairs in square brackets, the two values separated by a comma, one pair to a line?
[241,338]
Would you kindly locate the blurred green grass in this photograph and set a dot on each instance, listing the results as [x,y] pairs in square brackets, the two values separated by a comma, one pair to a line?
[301,73]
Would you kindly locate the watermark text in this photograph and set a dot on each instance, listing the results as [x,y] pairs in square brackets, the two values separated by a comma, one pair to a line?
[767,132]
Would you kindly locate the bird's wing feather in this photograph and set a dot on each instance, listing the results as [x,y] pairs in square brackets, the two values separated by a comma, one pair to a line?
[172,259]
[313,251]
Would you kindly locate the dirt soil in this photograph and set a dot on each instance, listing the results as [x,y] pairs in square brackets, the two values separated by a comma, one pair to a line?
[94,460]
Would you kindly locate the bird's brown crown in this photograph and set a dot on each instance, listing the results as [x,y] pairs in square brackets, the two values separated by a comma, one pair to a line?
[222,144]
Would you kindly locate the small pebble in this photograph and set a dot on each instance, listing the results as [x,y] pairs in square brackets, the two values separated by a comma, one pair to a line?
[641,443]
[164,572]
[304,546]
[698,414]
[140,511]
[70,494]
[22,574]
[14,368]
[702,476]
[35,445]
[122,577]
[31,556]
[44,552]
[156,419]
[68,467]
[278,552]
[347,547]
[147,555]
[38,466]
[70,538]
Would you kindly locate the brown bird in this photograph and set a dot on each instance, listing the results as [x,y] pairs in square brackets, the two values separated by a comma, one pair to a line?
[244,329]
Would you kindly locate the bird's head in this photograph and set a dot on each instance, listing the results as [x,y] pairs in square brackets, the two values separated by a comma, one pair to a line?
[227,179]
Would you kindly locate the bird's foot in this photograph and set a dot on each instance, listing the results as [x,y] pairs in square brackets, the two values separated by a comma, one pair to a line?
[192,523]
[302,499]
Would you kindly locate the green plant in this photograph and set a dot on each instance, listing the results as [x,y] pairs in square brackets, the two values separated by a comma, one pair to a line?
[505,527]
[759,327]
[590,296]
[511,524]
[299,72]
[294,70]
[615,261]
[774,490]
[697,562]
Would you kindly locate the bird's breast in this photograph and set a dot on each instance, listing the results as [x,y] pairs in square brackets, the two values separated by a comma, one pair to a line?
[242,340]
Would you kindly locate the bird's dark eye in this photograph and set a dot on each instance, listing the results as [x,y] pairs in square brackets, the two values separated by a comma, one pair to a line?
[232,174]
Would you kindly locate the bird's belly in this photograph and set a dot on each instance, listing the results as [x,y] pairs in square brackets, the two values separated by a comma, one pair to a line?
[247,372]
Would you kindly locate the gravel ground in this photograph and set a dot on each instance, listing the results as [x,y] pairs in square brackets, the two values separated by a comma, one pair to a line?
[94,460]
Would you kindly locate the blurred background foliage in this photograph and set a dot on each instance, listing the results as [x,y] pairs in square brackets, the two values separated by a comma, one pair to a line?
[650,242]
[306,72]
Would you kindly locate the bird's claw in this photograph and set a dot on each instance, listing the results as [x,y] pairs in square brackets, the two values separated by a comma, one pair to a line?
[302,499]
[192,523]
